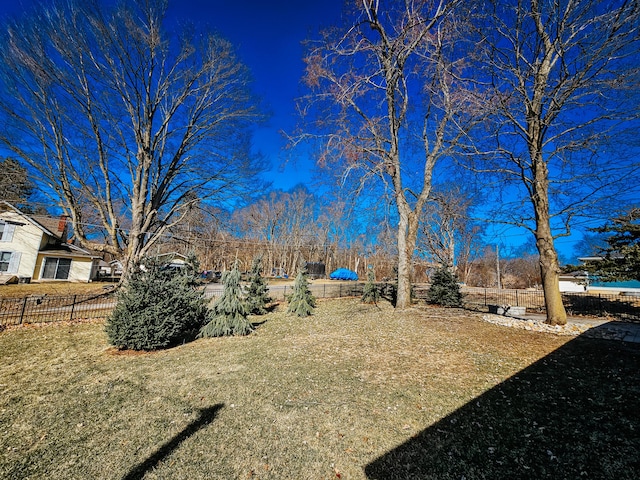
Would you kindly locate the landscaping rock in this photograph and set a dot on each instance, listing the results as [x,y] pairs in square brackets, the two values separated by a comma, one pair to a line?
[535,325]
[572,329]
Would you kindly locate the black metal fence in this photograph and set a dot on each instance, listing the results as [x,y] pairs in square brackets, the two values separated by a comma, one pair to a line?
[533,300]
[60,308]
[320,290]
[51,308]
[54,308]
[624,306]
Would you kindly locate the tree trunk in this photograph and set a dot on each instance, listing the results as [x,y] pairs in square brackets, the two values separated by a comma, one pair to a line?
[549,270]
[403,298]
[549,266]
[407,234]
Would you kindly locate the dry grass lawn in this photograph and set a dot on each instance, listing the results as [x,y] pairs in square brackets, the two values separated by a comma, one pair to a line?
[355,391]
[52,288]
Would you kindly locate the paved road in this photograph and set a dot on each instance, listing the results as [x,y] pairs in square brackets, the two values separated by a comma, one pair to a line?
[319,290]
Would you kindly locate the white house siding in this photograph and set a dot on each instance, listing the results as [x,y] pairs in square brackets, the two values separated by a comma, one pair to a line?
[82,269]
[25,242]
[569,286]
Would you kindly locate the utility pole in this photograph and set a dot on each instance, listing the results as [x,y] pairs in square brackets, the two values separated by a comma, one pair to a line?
[498,267]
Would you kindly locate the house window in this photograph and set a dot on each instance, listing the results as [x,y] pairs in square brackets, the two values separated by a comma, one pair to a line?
[6,231]
[5,258]
[56,268]
[9,262]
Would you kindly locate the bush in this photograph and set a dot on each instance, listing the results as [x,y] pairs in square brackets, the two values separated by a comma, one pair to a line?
[370,293]
[156,308]
[229,313]
[444,289]
[301,302]
[258,291]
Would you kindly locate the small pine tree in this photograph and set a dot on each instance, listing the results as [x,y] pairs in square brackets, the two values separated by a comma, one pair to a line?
[258,291]
[444,289]
[156,308]
[301,302]
[370,293]
[229,314]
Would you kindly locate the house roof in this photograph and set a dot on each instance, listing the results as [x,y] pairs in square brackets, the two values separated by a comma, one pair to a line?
[67,250]
[596,258]
[52,226]
[171,257]
[57,227]
[574,275]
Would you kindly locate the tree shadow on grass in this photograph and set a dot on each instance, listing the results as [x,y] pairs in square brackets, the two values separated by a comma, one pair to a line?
[206,416]
[573,414]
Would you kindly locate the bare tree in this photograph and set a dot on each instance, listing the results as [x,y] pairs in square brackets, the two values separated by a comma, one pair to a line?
[262,221]
[448,236]
[126,123]
[15,186]
[521,272]
[299,226]
[484,272]
[390,102]
[563,74]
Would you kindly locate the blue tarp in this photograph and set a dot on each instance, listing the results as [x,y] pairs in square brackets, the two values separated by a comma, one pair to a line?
[343,274]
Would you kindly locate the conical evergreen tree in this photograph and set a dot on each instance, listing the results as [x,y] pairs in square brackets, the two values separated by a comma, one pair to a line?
[229,314]
[302,302]
[444,289]
[157,308]
[258,291]
[370,293]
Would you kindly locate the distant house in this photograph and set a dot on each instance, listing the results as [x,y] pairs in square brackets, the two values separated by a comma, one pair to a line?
[174,259]
[110,271]
[574,281]
[610,287]
[35,248]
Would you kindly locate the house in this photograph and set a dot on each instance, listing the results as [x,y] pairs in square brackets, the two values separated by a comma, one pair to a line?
[35,248]
[172,259]
[574,282]
[626,287]
[110,271]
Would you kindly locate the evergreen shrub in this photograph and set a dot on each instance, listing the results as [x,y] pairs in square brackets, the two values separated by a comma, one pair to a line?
[258,291]
[157,308]
[301,302]
[444,289]
[229,315]
[370,294]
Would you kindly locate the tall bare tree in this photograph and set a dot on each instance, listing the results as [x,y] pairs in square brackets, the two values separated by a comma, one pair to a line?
[262,221]
[448,236]
[390,102]
[564,75]
[126,122]
[15,186]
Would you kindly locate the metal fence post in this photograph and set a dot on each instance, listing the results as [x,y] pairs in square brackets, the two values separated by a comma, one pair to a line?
[24,307]
[517,304]
[600,303]
[73,306]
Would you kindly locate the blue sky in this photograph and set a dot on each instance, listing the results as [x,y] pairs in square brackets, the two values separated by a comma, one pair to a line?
[268,36]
